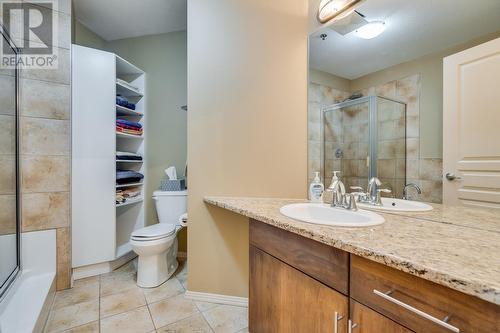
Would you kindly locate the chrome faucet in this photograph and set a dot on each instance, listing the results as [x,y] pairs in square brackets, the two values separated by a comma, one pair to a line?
[339,196]
[373,194]
[373,185]
[405,190]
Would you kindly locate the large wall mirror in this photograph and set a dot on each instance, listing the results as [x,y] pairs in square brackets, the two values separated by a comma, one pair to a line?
[9,194]
[375,104]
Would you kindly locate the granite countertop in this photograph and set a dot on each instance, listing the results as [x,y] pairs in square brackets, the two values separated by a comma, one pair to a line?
[439,246]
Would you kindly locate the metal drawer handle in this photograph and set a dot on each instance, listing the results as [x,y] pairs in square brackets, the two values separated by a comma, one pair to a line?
[416,311]
[350,326]
[336,322]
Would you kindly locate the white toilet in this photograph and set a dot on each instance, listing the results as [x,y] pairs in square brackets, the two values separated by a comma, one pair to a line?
[156,245]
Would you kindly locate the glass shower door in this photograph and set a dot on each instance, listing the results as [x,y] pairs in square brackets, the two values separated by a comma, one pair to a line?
[9,219]
[346,145]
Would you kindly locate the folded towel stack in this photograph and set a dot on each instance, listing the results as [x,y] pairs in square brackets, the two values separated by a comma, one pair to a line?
[128,127]
[123,101]
[128,176]
[126,156]
[124,195]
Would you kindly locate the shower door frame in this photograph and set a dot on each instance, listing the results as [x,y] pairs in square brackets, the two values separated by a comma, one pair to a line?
[372,126]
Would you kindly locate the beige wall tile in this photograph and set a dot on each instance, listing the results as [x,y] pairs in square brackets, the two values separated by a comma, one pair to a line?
[45,136]
[45,173]
[63,237]
[7,174]
[432,191]
[45,99]
[7,95]
[63,6]
[7,214]
[7,134]
[412,127]
[45,210]
[387,90]
[63,37]
[60,75]
[386,168]
[431,169]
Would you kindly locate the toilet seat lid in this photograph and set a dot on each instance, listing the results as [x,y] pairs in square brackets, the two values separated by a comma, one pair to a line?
[155,231]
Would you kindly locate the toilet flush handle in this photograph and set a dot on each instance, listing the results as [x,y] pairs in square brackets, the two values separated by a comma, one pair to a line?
[155,198]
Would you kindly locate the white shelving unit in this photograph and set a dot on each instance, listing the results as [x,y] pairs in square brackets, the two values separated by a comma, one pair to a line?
[101,228]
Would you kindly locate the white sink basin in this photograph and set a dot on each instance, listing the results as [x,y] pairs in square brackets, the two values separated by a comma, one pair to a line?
[398,205]
[324,214]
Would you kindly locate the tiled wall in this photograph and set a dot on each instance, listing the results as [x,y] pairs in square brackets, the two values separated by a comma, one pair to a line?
[319,96]
[424,172]
[347,132]
[45,146]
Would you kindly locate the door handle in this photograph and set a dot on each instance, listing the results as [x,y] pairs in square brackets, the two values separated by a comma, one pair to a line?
[451,176]
[336,319]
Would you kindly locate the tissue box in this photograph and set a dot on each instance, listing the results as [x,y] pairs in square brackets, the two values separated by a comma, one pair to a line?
[173,185]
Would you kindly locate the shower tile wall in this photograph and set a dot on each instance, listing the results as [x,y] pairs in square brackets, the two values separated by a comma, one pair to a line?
[422,171]
[45,136]
[319,96]
[347,132]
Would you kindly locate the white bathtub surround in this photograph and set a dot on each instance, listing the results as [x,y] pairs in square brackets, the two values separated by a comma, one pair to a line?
[25,307]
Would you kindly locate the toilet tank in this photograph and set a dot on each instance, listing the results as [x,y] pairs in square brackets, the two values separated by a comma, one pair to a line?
[170,205]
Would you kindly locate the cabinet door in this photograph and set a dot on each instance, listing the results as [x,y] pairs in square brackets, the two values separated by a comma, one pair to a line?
[365,320]
[283,299]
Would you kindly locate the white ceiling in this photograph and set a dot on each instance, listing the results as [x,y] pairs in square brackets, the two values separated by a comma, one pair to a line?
[118,19]
[413,29]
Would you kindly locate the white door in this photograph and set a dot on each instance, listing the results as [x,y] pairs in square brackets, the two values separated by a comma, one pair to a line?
[471,126]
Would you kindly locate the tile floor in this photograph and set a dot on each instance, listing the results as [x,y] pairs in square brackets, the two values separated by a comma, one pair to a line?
[113,303]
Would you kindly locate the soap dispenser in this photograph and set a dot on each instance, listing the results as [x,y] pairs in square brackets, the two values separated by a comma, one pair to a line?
[316,189]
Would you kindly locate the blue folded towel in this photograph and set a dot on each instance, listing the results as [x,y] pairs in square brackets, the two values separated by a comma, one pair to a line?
[122,101]
[128,123]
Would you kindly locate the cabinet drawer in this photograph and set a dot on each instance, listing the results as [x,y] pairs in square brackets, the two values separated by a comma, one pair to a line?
[320,261]
[418,304]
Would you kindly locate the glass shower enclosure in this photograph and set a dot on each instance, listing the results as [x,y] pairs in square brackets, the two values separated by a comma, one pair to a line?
[365,138]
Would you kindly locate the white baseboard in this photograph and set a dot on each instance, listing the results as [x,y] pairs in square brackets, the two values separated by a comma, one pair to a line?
[182,255]
[102,268]
[217,298]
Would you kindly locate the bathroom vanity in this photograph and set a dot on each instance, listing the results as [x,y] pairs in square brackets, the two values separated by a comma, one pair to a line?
[431,272]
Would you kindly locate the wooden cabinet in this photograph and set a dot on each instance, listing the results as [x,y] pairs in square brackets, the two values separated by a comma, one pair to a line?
[421,305]
[300,285]
[365,320]
[283,299]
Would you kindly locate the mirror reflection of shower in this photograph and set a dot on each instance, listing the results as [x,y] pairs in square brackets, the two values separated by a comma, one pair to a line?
[365,137]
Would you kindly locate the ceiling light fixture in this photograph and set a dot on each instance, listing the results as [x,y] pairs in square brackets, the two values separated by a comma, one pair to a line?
[336,9]
[370,30]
